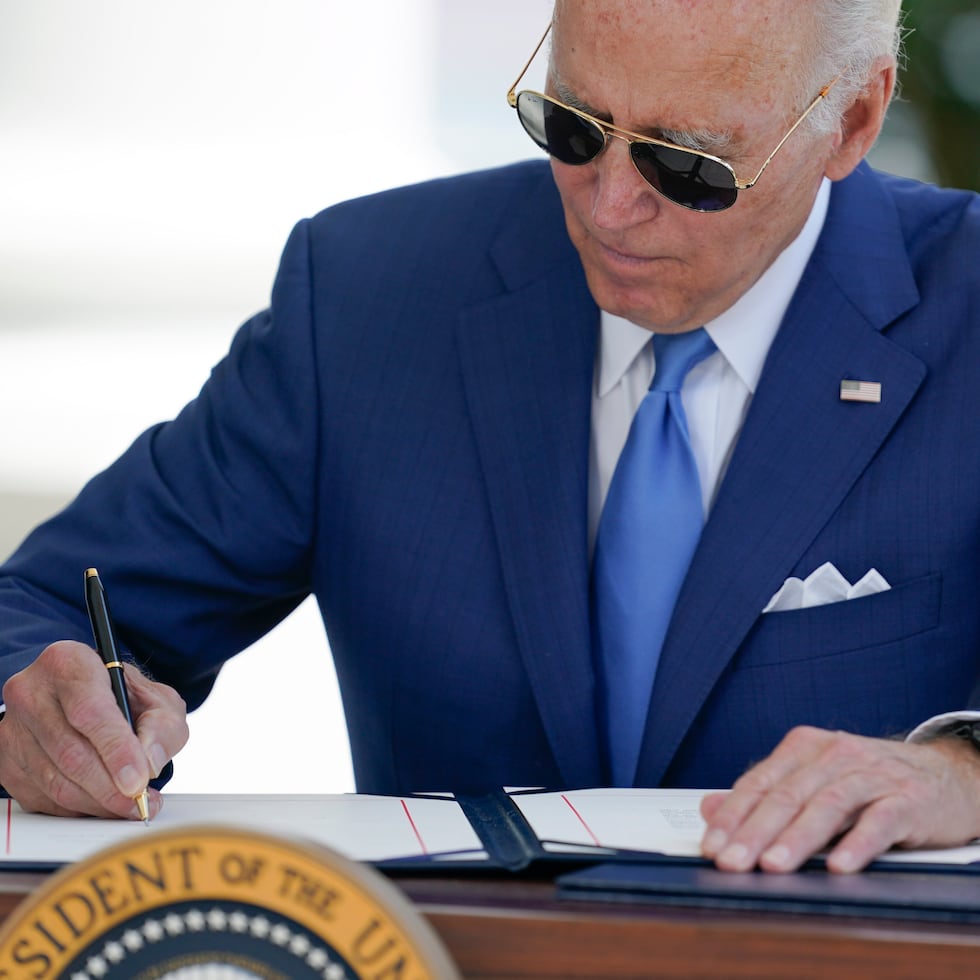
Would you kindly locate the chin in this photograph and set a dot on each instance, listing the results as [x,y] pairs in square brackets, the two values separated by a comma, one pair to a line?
[640,306]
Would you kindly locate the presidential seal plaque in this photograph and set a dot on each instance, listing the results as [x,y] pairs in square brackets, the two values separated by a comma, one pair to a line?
[219,903]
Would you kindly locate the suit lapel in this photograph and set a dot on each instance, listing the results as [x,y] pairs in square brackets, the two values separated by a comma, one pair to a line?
[527,361]
[799,453]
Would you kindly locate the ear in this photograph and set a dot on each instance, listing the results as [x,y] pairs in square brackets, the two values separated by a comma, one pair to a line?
[862,121]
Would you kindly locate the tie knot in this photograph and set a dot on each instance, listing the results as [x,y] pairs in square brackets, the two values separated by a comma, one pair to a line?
[676,354]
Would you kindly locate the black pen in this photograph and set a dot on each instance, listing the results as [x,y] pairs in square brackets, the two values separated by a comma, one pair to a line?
[105,643]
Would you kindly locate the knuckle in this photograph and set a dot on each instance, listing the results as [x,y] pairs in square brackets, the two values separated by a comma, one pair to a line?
[179,702]
[174,702]
[51,782]
[836,798]
[755,782]
[840,743]
[801,736]
[54,785]
[183,733]
[849,751]
[61,659]
[115,752]
[68,757]
[18,692]
[168,716]
[785,796]
[57,669]
[83,709]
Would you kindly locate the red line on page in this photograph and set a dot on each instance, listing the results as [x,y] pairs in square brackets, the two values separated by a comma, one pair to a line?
[415,830]
[588,829]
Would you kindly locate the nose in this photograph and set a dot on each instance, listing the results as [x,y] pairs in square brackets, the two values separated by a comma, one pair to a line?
[621,197]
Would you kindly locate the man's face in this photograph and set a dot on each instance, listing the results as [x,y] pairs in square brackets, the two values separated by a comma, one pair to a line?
[665,68]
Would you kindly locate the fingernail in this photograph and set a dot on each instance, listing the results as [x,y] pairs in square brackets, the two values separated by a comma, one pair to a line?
[157,758]
[843,862]
[777,857]
[714,841]
[734,856]
[129,781]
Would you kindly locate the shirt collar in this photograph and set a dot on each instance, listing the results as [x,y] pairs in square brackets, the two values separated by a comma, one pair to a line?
[744,332]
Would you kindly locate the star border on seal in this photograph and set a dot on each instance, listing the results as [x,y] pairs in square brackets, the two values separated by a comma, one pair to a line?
[214,919]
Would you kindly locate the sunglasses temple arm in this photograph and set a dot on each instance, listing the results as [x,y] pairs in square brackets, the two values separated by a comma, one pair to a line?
[511,96]
[795,126]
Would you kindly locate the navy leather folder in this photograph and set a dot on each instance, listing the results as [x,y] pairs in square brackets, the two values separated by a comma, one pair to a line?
[903,894]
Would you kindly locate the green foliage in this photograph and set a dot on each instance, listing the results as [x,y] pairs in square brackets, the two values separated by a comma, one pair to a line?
[941,82]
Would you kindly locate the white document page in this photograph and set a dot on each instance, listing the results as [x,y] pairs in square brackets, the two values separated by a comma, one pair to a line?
[664,821]
[968,854]
[661,821]
[365,828]
[381,828]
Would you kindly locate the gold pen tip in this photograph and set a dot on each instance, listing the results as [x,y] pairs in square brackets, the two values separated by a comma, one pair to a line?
[91,572]
[143,805]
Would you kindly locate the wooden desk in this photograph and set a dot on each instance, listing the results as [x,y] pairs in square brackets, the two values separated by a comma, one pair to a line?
[515,928]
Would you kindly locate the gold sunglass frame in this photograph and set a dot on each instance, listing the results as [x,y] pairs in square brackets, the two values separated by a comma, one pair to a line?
[628,136]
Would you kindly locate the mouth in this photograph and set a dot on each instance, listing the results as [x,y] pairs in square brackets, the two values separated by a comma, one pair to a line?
[624,262]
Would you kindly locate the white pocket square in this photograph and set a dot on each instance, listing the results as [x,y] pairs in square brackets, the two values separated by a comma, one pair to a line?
[823,586]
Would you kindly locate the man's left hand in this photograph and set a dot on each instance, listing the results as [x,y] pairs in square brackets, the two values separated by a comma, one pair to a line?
[872,794]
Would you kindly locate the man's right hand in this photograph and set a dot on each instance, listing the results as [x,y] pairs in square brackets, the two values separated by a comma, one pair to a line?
[65,747]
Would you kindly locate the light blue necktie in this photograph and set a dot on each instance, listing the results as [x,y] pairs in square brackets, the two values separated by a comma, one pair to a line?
[648,531]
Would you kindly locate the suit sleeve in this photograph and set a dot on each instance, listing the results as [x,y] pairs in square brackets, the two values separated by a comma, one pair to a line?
[203,529]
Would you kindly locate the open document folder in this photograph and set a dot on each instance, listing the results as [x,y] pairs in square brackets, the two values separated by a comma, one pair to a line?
[508,830]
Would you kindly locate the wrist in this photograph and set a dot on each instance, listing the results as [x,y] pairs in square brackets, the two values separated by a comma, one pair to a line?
[962,730]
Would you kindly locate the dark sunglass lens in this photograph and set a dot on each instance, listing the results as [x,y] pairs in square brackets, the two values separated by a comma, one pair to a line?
[686,178]
[559,131]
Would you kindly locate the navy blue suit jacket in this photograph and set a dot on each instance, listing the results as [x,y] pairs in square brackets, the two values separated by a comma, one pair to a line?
[405,434]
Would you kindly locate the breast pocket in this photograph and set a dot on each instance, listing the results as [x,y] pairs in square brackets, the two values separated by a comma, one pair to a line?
[901,612]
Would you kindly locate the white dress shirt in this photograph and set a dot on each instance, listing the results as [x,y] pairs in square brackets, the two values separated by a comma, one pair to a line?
[716,392]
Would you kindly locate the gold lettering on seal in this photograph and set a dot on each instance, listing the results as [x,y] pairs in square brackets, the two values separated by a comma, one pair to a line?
[307,892]
[379,949]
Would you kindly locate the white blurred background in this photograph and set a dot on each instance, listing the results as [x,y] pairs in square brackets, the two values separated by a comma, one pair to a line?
[153,158]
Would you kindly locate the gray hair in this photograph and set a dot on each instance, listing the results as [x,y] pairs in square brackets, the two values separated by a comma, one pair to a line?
[850,37]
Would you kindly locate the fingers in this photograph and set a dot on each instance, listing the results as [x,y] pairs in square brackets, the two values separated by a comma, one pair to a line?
[65,746]
[161,718]
[818,786]
[884,820]
[745,821]
[710,805]
[33,779]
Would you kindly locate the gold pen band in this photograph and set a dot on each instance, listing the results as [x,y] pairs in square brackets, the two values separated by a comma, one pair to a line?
[113,663]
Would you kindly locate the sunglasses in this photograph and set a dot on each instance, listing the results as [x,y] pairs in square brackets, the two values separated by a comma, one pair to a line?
[690,178]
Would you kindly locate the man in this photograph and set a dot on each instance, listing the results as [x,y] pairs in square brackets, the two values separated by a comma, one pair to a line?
[423,427]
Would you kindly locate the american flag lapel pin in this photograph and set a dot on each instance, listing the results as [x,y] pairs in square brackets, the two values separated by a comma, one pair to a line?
[860,391]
